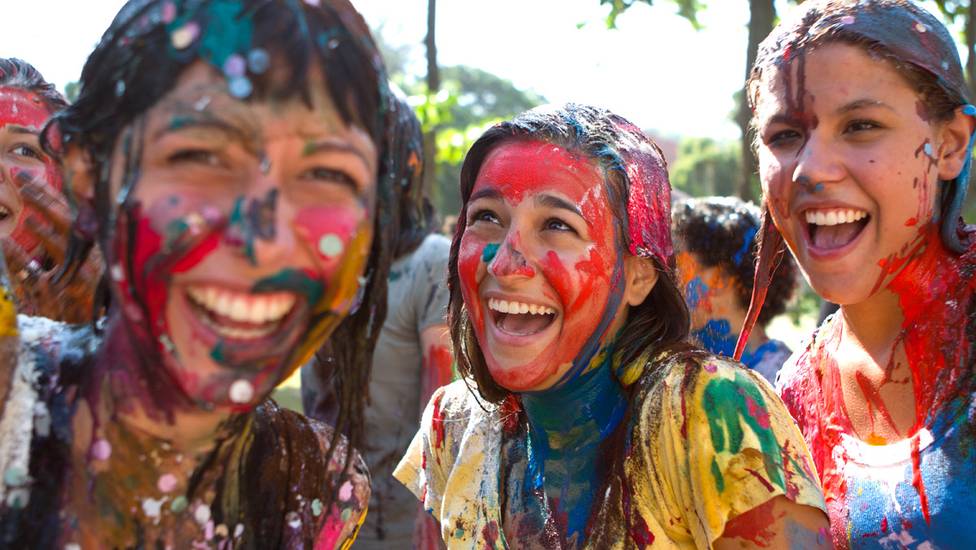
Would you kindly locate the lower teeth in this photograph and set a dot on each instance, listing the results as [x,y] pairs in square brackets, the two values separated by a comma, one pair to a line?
[237,333]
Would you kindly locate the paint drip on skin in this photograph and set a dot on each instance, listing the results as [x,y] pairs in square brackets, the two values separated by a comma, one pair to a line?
[935,290]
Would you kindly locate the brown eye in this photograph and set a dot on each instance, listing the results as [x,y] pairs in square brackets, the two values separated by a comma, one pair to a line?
[485,215]
[332,175]
[556,224]
[194,156]
[24,150]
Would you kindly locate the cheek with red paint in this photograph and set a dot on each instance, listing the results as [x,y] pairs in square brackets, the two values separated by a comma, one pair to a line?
[339,240]
[471,270]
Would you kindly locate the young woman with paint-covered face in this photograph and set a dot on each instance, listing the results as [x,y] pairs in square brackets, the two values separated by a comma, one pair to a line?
[593,424]
[864,141]
[34,215]
[231,155]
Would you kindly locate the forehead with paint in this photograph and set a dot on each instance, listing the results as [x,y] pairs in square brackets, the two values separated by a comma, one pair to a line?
[246,193]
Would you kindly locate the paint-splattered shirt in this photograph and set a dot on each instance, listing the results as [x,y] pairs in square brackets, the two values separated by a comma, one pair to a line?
[704,441]
[877,495]
[271,477]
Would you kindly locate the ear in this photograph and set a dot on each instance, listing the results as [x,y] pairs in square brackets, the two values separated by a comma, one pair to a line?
[641,276]
[954,135]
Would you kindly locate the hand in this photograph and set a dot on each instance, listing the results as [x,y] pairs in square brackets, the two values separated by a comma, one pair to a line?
[32,272]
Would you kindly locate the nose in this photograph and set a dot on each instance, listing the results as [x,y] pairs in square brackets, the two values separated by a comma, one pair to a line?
[258,228]
[510,262]
[817,165]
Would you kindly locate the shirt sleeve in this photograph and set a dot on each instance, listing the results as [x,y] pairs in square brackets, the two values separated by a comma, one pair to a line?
[431,292]
[420,470]
[741,447]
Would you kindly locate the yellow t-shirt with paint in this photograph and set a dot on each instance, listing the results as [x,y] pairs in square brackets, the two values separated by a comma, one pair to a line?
[706,441]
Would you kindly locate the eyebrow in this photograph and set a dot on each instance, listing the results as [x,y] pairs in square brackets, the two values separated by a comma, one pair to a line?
[552,201]
[332,146]
[487,193]
[863,103]
[181,120]
[17,129]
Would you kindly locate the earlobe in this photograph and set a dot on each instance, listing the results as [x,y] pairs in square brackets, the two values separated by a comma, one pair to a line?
[955,136]
[641,278]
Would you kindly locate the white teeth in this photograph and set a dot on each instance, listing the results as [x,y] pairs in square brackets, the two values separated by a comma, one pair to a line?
[242,307]
[834,217]
[503,306]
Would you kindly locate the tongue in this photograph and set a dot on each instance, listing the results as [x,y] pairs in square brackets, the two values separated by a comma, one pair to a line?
[835,236]
[523,323]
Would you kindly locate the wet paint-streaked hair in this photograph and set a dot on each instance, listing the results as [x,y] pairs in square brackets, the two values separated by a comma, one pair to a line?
[636,178]
[920,49]
[17,73]
[140,58]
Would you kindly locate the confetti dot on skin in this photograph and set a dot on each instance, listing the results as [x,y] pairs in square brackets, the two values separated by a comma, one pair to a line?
[316,507]
[241,391]
[258,61]
[182,37]
[152,507]
[101,450]
[330,245]
[293,520]
[345,492]
[178,505]
[235,65]
[14,476]
[169,12]
[202,514]
[166,483]
[240,87]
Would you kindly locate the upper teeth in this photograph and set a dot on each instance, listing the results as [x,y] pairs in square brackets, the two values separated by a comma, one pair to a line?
[242,306]
[519,307]
[834,217]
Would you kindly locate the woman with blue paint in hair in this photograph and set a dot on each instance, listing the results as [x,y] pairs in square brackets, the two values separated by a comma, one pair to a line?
[715,240]
[230,159]
[584,418]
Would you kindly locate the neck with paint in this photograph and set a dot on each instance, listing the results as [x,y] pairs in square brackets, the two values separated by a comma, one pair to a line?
[566,428]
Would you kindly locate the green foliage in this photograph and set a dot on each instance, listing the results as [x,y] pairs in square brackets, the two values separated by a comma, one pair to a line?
[953,9]
[686,8]
[706,167]
[469,101]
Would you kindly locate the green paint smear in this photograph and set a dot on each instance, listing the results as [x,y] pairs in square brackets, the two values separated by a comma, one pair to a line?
[217,353]
[725,402]
[488,254]
[174,233]
[292,280]
[717,474]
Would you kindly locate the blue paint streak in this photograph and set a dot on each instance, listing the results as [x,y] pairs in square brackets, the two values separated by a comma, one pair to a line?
[717,337]
[489,252]
[566,427]
[746,246]
[695,290]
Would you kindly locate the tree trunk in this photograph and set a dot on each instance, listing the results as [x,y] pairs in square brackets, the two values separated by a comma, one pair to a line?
[433,86]
[762,13]
[971,48]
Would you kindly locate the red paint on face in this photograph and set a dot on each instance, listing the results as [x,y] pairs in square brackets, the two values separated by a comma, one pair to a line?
[25,110]
[535,263]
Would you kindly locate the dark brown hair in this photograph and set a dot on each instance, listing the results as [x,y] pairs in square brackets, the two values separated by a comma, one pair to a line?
[17,73]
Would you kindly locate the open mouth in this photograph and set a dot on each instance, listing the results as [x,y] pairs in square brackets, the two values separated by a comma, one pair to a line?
[835,228]
[241,316]
[520,318]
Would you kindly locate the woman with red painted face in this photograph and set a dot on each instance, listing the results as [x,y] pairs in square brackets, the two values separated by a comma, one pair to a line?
[34,215]
[230,156]
[864,144]
[585,419]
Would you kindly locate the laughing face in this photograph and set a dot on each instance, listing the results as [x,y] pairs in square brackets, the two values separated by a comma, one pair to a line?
[850,165]
[22,116]
[242,240]
[542,274]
